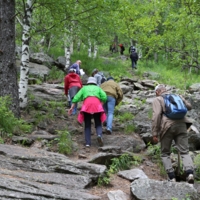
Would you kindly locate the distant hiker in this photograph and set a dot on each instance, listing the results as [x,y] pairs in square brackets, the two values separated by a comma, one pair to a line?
[133,57]
[168,130]
[114,97]
[113,47]
[92,97]
[76,66]
[72,84]
[99,76]
[122,49]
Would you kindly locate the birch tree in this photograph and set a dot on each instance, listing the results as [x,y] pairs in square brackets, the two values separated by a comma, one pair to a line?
[24,68]
[8,70]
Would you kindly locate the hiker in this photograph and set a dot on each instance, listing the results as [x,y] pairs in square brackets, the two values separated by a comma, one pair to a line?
[99,76]
[114,97]
[76,66]
[122,49]
[133,57]
[92,97]
[113,47]
[78,71]
[168,130]
[72,84]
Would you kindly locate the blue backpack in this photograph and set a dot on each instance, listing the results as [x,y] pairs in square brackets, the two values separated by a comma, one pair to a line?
[174,106]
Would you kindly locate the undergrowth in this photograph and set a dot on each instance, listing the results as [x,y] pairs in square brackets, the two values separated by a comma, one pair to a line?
[124,162]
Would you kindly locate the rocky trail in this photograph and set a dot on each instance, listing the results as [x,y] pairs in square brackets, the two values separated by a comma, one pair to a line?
[32,168]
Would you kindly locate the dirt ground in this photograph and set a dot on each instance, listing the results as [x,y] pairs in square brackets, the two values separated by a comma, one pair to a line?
[117,183]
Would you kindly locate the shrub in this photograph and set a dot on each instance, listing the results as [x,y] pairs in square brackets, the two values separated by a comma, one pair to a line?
[64,142]
[9,124]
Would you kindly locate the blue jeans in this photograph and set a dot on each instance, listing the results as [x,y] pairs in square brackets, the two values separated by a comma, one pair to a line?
[109,108]
[98,126]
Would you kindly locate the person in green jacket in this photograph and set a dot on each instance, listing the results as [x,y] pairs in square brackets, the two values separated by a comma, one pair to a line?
[93,98]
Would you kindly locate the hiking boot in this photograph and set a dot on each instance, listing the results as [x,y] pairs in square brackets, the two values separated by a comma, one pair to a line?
[108,132]
[100,140]
[190,179]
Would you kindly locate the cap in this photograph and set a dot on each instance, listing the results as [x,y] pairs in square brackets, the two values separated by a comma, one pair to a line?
[92,80]
[110,78]
[94,70]
[72,70]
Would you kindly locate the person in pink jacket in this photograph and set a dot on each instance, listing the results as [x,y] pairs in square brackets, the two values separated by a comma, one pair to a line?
[72,84]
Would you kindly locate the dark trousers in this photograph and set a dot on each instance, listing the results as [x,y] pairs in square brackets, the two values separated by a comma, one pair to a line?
[178,133]
[98,125]
[134,63]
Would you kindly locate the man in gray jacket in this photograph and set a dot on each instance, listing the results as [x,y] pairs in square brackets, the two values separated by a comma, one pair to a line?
[168,130]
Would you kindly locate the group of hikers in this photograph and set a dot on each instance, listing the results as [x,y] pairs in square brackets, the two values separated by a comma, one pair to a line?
[101,95]
[132,51]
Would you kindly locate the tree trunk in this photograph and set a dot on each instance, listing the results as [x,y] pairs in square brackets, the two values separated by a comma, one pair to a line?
[67,51]
[95,50]
[8,69]
[24,68]
[79,45]
[89,48]
[67,56]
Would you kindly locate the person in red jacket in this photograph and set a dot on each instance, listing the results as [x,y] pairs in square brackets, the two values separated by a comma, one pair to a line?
[72,84]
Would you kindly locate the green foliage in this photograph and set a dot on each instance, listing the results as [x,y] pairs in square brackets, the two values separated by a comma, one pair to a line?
[197,165]
[124,162]
[154,152]
[129,128]
[9,124]
[125,117]
[64,142]
[55,74]
[103,180]
[150,113]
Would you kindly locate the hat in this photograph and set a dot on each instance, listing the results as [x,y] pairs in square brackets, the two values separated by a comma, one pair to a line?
[159,86]
[92,80]
[110,78]
[94,71]
[72,70]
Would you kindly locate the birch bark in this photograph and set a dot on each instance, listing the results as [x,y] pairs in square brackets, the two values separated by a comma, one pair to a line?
[24,68]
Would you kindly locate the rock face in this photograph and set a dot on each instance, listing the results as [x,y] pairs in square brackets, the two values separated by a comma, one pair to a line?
[143,189]
[33,173]
[38,174]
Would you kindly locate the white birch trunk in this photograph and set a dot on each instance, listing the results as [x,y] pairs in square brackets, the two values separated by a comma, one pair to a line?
[95,50]
[67,51]
[49,45]
[24,68]
[79,45]
[71,47]
[89,48]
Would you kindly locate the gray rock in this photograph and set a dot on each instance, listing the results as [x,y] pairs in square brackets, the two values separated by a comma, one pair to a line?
[147,189]
[132,174]
[117,195]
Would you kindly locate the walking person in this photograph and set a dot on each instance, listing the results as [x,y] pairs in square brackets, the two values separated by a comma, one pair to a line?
[99,76]
[169,130]
[72,84]
[76,66]
[92,97]
[122,49]
[133,57]
[114,97]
